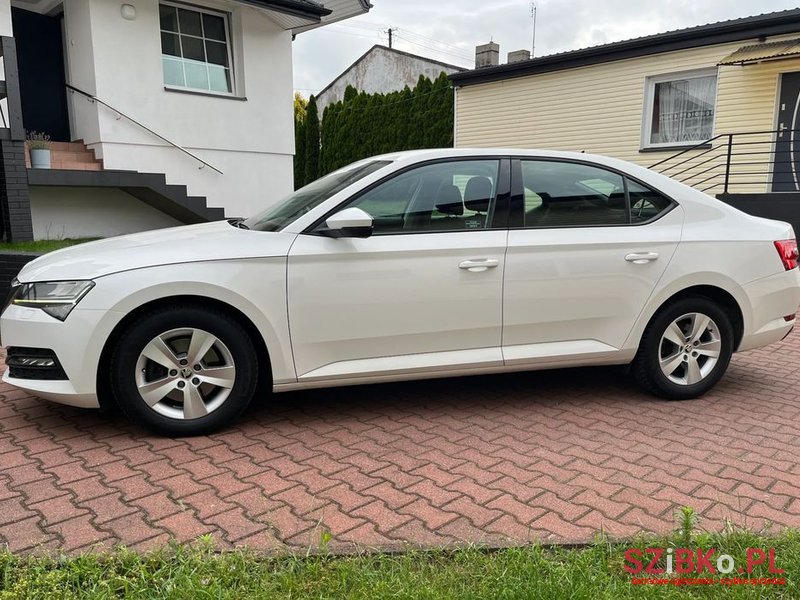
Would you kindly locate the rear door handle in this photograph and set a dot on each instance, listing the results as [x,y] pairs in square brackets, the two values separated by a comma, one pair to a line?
[478,265]
[641,258]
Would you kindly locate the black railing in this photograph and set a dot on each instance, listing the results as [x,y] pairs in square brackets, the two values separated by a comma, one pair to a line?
[744,162]
[92,98]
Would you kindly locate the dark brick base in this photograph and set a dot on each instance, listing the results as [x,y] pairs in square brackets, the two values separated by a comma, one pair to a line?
[15,203]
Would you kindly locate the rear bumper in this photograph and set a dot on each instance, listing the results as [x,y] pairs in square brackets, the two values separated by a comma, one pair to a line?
[771,300]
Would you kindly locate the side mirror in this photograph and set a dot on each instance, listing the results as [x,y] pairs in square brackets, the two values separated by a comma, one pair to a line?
[350,222]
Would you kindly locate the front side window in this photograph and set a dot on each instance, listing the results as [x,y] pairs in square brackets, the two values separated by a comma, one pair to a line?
[566,194]
[195,49]
[440,197]
[679,109]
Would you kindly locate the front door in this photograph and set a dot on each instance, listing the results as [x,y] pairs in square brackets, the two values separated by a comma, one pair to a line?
[786,167]
[423,293]
[40,59]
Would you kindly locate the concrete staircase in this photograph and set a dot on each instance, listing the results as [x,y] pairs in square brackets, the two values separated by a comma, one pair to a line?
[71,156]
[72,164]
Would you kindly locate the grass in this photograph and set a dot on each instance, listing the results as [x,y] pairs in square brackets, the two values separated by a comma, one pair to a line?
[42,246]
[198,572]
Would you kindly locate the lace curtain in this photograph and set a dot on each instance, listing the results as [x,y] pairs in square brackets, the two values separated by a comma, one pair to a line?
[683,110]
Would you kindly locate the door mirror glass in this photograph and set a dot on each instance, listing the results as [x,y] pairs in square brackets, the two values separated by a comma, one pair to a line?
[350,222]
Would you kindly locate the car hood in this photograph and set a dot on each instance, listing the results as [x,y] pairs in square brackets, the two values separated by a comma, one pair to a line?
[193,243]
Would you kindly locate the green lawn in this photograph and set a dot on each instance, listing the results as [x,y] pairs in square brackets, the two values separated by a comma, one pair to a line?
[198,572]
[42,246]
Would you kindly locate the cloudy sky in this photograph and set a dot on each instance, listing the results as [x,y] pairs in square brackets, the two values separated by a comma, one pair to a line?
[449,30]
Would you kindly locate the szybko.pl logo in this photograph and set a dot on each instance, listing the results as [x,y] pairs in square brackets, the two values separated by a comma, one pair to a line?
[699,562]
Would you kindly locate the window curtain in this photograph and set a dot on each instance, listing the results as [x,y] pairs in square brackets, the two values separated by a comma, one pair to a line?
[683,110]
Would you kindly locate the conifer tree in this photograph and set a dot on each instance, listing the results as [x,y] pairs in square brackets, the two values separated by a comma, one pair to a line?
[312,148]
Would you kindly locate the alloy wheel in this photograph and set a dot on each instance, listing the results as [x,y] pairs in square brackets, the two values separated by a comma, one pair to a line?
[690,349]
[185,373]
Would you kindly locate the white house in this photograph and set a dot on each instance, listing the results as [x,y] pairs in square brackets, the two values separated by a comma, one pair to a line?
[163,112]
[381,70]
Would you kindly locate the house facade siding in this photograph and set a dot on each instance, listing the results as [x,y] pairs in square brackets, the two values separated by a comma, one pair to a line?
[599,108]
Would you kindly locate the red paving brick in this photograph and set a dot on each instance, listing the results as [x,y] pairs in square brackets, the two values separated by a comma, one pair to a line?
[508,459]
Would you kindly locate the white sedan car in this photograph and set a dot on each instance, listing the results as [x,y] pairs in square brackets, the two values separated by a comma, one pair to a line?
[412,265]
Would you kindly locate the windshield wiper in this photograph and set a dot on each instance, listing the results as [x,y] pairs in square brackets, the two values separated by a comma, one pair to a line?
[238,223]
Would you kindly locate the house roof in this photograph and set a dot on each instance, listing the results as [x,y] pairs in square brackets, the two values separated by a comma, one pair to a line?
[303,15]
[734,30]
[394,51]
[297,8]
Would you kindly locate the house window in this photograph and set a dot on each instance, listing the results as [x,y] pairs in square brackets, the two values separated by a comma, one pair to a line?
[679,109]
[195,49]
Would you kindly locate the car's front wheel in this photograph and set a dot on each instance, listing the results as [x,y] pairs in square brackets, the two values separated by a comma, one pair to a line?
[685,349]
[184,371]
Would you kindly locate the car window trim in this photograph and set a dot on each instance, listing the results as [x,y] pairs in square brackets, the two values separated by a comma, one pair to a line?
[499,217]
[517,208]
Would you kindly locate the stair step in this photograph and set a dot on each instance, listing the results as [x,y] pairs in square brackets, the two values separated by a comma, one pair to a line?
[69,165]
[68,146]
[61,155]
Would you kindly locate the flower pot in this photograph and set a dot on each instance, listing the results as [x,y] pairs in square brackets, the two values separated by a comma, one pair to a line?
[40,158]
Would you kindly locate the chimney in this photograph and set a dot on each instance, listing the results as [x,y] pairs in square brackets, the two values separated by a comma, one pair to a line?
[487,55]
[519,56]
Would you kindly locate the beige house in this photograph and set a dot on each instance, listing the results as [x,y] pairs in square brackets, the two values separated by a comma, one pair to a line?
[716,106]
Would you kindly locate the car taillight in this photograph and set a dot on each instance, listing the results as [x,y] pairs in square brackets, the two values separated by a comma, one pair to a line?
[787,250]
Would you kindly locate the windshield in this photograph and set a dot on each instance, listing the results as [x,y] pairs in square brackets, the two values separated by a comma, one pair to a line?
[306,198]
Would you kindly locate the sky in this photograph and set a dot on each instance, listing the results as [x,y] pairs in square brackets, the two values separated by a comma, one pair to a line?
[449,30]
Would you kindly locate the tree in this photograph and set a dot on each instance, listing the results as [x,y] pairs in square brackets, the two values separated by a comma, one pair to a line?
[300,105]
[312,171]
[299,154]
[362,125]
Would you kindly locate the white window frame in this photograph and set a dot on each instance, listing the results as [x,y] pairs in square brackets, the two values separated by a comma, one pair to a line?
[226,17]
[649,97]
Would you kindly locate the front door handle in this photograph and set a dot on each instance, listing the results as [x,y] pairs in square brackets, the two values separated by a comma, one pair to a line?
[641,258]
[478,265]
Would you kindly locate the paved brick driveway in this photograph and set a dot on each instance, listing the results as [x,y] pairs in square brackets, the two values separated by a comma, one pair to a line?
[554,456]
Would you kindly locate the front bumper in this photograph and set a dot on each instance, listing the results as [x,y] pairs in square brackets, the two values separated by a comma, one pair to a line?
[76,342]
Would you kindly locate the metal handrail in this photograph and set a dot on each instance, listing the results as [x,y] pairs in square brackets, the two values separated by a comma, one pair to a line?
[737,150]
[702,144]
[92,98]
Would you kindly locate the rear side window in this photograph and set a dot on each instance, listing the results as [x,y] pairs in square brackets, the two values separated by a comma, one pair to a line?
[646,204]
[563,194]
[566,194]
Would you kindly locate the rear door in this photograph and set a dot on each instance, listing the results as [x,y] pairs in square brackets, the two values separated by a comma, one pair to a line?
[586,249]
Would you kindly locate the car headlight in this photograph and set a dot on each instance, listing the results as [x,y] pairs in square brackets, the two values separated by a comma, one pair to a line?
[56,298]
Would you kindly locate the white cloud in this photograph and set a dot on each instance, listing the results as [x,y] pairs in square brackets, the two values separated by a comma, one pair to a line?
[449,30]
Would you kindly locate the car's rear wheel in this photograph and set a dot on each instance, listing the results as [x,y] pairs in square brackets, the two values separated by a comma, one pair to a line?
[685,349]
[184,370]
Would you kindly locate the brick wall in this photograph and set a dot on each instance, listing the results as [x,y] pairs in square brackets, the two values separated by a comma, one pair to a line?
[15,202]
[10,265]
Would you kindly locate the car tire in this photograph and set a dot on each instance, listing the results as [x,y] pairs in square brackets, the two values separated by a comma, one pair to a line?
[184,370]
[681,371]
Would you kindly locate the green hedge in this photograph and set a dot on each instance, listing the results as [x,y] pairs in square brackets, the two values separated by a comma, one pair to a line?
[363,125]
